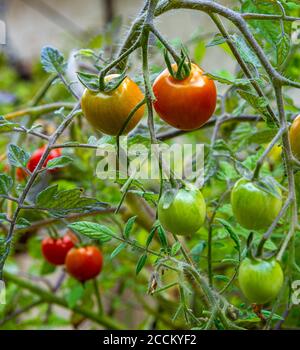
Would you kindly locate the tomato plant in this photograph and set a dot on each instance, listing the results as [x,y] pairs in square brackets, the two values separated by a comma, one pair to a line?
[189,222]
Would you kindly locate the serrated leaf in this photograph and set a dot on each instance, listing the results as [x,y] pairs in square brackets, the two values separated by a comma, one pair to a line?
[60,203]
[6,184]
[283,49]
[90,81]
[175,248]
[141,263]
[59,162]
[118,250]
[258,103]
[52,60]
[129,226]
[17,156]
[92,230]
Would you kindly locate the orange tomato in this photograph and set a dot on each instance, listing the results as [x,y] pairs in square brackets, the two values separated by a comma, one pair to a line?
[185,104]
[108,112]
[295,137]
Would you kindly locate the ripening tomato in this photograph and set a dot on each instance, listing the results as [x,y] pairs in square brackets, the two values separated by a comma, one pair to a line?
[108,112]
[182,213]
[295,137]
[37,155]
[185,104]
[253,207]
[84,263]
[260,280]
[20,174]
[56,250]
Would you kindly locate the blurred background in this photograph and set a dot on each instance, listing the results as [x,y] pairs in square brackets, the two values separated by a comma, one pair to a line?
[69,24]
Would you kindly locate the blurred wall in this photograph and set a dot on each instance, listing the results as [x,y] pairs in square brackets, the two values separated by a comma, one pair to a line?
[31,24]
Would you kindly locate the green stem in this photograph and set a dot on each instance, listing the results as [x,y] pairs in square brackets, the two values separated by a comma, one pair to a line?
[51,298]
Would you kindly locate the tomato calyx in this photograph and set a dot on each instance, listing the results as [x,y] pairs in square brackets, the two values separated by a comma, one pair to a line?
[97,83]
[184,65]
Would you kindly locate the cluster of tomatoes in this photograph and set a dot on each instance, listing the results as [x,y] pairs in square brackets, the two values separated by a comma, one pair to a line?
[82,262]
[187,104]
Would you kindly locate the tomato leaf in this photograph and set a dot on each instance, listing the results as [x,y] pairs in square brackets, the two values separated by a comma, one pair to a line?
[59,162]
[162,236]
[129,226]
[52,60]
[74,295]
[232,234]
[141,263]
[175,248]
[93,230]
[16,156]
[90,81]
[6,184]
[60,203]
[118,250]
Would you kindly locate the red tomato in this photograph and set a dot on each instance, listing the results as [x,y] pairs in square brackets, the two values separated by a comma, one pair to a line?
[185,104]
[56,250]
[20,174]
[84,263]
[37,155]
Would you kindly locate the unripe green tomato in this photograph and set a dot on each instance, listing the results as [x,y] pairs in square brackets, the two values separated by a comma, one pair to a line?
[186,212]
[254,208]
[260,280]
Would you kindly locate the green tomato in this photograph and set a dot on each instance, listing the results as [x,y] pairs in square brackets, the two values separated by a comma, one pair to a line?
[182,213]
[260,280]
[254,208]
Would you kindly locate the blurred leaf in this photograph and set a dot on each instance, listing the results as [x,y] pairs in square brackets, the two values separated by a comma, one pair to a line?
[59,162]
[118,250]
[75,295]
[141,263]
[6,184]
[16,156]
[175,248]
[129,226]
[52,60]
